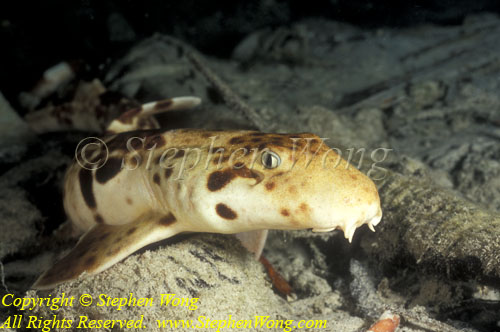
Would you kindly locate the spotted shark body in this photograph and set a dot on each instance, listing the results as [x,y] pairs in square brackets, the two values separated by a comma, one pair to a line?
[155,184]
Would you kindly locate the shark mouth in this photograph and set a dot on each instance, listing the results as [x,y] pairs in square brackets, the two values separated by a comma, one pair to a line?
[350,228]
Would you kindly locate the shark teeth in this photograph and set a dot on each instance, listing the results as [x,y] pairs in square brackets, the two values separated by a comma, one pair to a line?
[349,231]
[350,227]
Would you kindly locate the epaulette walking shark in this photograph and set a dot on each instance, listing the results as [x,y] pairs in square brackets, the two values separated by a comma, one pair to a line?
[155,184]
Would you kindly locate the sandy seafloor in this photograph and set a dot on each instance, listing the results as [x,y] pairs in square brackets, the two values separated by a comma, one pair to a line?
[429,93]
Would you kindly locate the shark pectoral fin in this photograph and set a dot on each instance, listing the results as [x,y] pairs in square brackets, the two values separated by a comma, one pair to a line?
[104,245]
[254,241]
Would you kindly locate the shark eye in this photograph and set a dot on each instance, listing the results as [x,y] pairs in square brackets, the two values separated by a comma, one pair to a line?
[270,159]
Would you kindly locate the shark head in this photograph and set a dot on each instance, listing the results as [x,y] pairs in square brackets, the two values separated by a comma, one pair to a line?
[281,181]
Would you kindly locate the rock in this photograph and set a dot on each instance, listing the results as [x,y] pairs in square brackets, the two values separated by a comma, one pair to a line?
[18,216]
[15,133]
[427,93]
[17,186]
[365,130]
[30,207]
[441,231]
[286,45]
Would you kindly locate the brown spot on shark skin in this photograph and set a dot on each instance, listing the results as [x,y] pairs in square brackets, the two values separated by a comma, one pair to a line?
[157,140]
[163,104]
[371,190]
[217,160]
[81,253]
[285,212]
[156,179]
[131,231]
[137,138]
[270,186]
[168,220]
[217,149]
[278,174]
[119,143]
[168,172]
[225,211]
[90,261]
[97,158]
[86,180]
[279,142]
[304,207]
[109,170]
[219,179]
[129,115]
[113,251]
[102,237]
[297,143]
[144,123]
[98,219]
[238,165]
[158,161]
[237,140]
[129,201]
[353,176]
[179,153]
[245,172]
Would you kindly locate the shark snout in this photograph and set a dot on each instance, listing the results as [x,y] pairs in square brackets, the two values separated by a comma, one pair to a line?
[358,203]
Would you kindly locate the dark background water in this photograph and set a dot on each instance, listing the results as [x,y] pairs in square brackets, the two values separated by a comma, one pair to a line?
[38,34]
